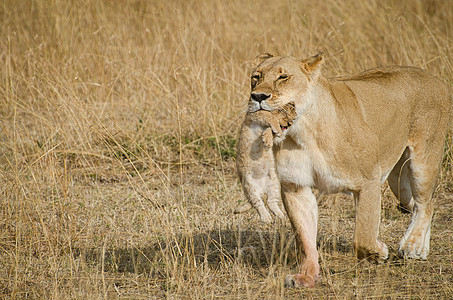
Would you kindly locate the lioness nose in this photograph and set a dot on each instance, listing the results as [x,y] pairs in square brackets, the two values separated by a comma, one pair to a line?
[258,97]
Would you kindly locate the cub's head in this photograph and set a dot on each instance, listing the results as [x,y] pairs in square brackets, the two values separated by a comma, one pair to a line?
[285,115]
[276,81]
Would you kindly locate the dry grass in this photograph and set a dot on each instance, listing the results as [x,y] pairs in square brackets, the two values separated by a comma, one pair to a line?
[118,127]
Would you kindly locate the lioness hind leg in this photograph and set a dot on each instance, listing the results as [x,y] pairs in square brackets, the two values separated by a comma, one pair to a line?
[400,182]
[424,168]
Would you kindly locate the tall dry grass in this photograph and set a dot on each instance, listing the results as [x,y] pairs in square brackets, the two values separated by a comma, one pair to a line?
[118,127]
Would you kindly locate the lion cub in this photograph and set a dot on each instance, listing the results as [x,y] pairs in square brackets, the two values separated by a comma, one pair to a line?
[255,159]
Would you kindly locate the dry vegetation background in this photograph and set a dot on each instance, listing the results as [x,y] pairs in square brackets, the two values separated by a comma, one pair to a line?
[118,128]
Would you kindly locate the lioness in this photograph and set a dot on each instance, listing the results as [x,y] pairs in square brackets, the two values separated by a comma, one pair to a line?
[350,135]
[255,160]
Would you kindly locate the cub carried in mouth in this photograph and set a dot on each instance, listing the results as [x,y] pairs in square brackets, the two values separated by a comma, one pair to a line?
[255,159]
[351,135]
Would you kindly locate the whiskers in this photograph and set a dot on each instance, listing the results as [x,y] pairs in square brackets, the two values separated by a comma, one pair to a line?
[289,110]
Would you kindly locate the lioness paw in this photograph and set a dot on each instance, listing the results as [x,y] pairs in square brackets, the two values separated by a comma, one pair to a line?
[379,254]
[299,280]
[414,249]
[415,243]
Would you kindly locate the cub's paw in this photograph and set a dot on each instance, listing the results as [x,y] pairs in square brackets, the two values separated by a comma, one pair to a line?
[243,208]
[268,138]
[265,216]
[275,209]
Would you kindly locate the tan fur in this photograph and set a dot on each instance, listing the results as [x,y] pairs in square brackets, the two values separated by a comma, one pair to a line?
[351,134]
[255,160]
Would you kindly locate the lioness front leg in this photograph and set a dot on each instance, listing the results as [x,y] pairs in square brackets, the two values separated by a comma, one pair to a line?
[367,219]
[302,210]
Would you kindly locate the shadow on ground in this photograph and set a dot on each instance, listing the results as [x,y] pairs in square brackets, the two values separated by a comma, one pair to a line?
[256,249]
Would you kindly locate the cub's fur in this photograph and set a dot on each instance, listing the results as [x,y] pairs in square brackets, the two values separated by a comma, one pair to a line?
[255,160]
[350,135]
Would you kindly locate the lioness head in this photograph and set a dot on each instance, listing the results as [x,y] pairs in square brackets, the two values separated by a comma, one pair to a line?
[278,80]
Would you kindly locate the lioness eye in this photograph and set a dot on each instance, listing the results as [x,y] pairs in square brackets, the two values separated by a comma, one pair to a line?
[256,77]
[283,77]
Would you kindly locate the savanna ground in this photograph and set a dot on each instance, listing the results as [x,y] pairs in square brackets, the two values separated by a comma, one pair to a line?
[119,122]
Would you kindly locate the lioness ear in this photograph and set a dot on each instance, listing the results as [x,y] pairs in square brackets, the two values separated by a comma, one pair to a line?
[260,58]
[312,66]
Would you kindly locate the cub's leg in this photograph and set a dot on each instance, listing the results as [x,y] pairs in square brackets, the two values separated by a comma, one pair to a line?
[367,218]
[400,182]
[268,139]
[302,210]
[424,167]
[253,191]
[274,193]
